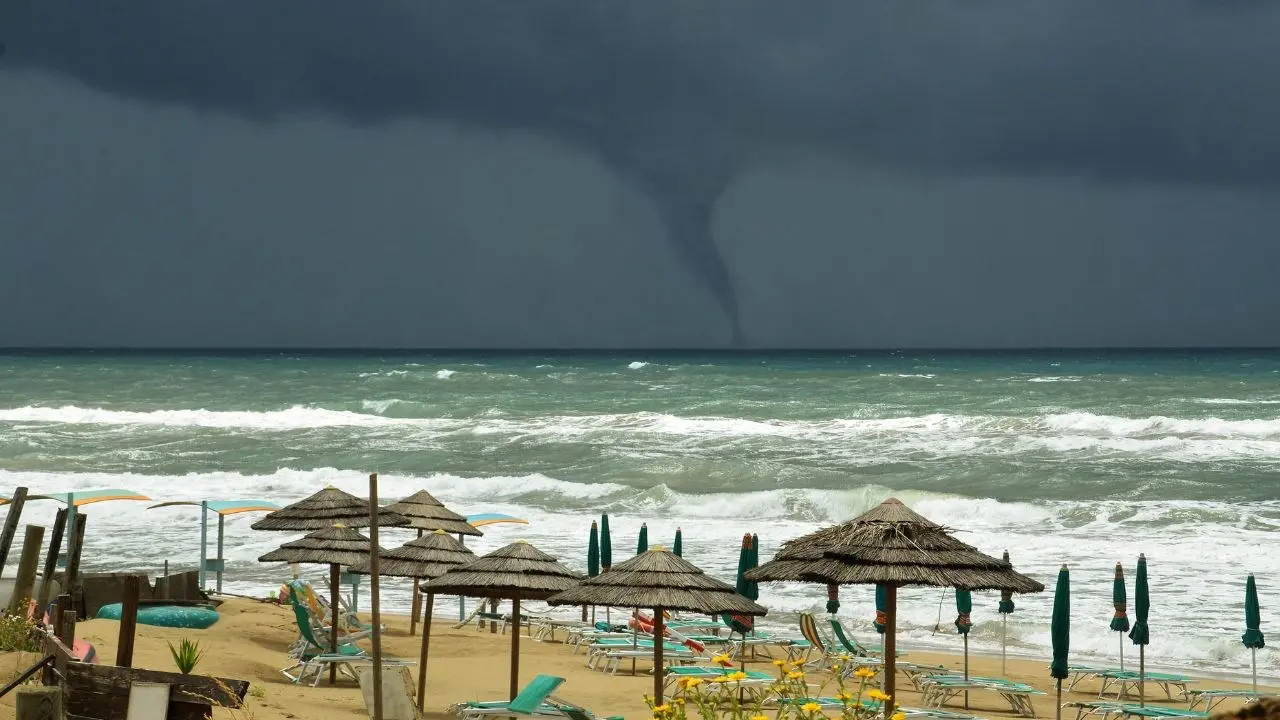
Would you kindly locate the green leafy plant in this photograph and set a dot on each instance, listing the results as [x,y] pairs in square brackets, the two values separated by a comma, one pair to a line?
[17,634]
[186,656]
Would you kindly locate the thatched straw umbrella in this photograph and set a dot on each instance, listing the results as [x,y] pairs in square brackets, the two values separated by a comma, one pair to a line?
[325,509]
[334,546]
[893,546]
[516,572]
[424,512]
[663,581]
[426,557]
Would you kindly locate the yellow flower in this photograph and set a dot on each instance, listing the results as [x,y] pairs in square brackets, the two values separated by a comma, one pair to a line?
[720,679]
[795,675]
[662,708]
[778,663]
[693,682]
[836,668]
[899,716]
[844,696]
[759,717]
[845,656]
[720,659]
[875,694]
[739,675]
[679,701]
[865,672]
[811,707]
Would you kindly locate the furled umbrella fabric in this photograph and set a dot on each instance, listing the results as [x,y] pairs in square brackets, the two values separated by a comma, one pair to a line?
[1119,600]
[335,546]
[642,543]
[1060,631]
[516,572]
[1252,637]
[894,546]
[753,561]
[1141,634]
[964,610]
[606,544]
[593,551]
[678,546]
[325,509]
[1005,608]
[424,558]
[662,581]
[742,624]
[881,617]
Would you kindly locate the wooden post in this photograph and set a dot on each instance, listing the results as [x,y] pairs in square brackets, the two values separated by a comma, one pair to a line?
[890,647]
[128,621]
[426,646]
[335,577]
[25,584]
[415,605]
[515,646]
[73,561]
[11,524]
[67,627]
[375,615]
[657,655]
[221,520]
[493,622]
[51,560]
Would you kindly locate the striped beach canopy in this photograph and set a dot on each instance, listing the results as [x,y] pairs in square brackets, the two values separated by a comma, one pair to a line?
[493,519]
[81,498]
[224,507]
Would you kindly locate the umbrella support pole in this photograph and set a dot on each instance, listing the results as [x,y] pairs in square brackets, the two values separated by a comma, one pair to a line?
[1004,643]
[1058,705]
[966,669]
[1142,676]
[375,612]
[1254,652]
[657,655]
[422,655]
[890,647]
[415,604]
[515,646]
[334,580]
[1121,651]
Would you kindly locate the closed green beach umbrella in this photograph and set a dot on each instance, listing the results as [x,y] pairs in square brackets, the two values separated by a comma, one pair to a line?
[1006,596]
[1060,631]
[1253,625]
[642,544]
[606,544]
[741,623]
[678,546]
[1140,634]
[882,608]
[1005,608]
[964,607]
[593,551]
[753,561]
[1120,621]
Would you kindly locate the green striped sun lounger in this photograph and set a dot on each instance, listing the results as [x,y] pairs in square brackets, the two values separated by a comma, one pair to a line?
[936,690]
[1210,699]
[1108,710]
[1124,682]
[534,699]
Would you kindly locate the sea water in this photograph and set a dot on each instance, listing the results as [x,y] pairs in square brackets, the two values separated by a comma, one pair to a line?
[1079,458]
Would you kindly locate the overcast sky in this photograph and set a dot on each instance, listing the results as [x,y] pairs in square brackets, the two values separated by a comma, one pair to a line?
[429,173]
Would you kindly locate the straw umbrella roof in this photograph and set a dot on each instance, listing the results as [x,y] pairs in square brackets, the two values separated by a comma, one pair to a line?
[429,556]
[324,509]
[334,545]
[427,513]
[894,545]
[659,579]
[517,570]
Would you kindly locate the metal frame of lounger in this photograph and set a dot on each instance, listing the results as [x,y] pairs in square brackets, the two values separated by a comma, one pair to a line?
[1127,680]
[546,628]
[613,658]
[1079,673]
[706,673]
[916,673]
[346,665]
[1105,710]
[937,690]
[1212,698]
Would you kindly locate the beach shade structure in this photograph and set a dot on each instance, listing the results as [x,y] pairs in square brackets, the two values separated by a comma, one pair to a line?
[516,572]
[424,558]
[606,544]
[1060,632]
[642,542]
[662,581]
[753,561]
[678,546]
[335,546]
[425,513]
[80,498]
[742,624]
[1120,620]
[222,508]
[890,545]
[1140,635]
[1005,608]
[593,560]
[325,509]
[1252,637]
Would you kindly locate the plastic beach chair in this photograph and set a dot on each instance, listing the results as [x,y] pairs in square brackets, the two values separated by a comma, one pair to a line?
[1212,698]
[533,699]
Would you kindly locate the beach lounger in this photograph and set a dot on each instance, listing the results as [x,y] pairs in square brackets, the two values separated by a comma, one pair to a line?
[1123,683]
[673,674]
[544,629]
[315,657]
[533,699]
[854,647]
[1079,673]
[1104,710]
[818,645]
[1211,698]
[936,690]
[915,672]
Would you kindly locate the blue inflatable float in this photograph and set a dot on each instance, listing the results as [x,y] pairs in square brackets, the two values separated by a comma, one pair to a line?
[196,617]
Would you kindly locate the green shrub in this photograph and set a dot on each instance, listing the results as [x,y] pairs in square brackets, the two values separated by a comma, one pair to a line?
[17,634]
[186,656]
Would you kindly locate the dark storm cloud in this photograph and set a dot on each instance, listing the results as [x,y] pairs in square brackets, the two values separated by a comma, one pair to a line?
[683,99]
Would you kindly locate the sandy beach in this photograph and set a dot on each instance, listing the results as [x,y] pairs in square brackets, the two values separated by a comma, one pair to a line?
[249,643]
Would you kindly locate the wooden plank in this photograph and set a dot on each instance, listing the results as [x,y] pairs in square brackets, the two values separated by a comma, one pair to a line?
[73,561]
[51,560]
[128,622]
[375,616]
[91,684]
[11,524]
[25,584]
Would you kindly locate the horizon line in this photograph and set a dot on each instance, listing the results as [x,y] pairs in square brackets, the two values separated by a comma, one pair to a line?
[334,350]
